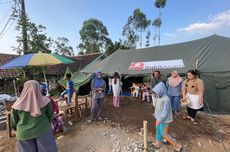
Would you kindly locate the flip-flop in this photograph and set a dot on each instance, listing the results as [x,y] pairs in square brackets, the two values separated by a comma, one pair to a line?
[156,145]
[177,148]
[194,122]
[186,117]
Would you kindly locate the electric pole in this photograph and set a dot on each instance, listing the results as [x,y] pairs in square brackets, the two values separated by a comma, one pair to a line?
[24,26]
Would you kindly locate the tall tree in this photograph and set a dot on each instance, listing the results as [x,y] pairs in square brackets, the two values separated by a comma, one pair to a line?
[36,39]
[137,23]
[131,38]
[62,47]
[94,36]
[157,22]
[140,23]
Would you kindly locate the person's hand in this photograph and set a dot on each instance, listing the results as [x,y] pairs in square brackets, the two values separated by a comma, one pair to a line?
[157,123]
[200,101]
[184,100]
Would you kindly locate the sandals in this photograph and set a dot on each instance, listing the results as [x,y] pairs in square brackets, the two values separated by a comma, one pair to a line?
[177,148]
[164,141]
[194,122]
[187,118]
[156,145]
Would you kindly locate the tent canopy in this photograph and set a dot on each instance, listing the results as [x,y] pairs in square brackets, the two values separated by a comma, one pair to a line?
[203,53]
[209,55]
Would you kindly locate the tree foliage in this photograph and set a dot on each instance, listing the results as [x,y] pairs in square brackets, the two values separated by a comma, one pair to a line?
[114,47]
[137,23]
[94,36]
[158,22]
[160,3]
[62,47]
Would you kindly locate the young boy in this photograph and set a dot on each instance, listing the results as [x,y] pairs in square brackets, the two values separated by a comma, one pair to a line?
[163,115]
[69,89]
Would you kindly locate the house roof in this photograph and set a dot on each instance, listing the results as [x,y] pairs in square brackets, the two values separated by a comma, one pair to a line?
[9,73]
[80,62]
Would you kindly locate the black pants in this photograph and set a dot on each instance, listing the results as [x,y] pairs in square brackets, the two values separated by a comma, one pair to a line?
[192,112]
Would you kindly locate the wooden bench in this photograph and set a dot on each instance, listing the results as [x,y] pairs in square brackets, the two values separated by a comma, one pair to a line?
[84,103]
[81,104]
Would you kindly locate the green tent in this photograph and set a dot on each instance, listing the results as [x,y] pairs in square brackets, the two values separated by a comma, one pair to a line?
[209,55]
[79,79]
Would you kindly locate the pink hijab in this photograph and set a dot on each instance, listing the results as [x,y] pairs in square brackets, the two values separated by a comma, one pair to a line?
[173,82]
[31,99]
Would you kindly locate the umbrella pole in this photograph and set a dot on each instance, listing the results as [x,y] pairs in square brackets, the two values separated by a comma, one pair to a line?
[15,89]
[43,71]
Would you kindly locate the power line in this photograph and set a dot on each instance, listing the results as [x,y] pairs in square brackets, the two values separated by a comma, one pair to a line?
[6,2]
[5,26]
[7,29]
[5,16]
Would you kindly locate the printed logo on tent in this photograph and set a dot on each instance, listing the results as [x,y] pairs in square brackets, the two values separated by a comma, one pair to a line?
[136,66]
[165,64]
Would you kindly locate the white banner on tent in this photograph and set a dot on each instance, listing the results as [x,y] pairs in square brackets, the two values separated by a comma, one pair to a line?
[165,64]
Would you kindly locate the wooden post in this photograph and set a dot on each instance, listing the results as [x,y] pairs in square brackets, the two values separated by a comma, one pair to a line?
[145,136]
[86,103]
[76,104]
[8,126]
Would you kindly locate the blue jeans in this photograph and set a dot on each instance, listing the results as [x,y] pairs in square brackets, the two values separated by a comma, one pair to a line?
[69,96]
[110,90]
[175,100]
[97,108]
[162,132]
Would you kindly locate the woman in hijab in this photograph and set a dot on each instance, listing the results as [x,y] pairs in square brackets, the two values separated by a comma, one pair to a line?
[116,85]
[174,85]
[98,87]
[193,91]
[31,117]
[163,115]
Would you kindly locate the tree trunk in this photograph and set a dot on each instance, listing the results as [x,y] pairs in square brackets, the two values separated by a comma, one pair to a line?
[159,28]
[140,39]
[24,26]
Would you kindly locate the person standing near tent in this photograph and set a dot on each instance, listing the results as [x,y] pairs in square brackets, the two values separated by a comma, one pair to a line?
[163,115]
[155,79]
[69,89]
[193,90]
[116,85]
[98,87]
[110,85]
[174,85]
[31,117]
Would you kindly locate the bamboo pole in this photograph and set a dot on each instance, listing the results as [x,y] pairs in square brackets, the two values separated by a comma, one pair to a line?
[145,136]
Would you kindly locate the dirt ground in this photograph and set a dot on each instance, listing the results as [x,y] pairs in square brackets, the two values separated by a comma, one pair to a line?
[120,131]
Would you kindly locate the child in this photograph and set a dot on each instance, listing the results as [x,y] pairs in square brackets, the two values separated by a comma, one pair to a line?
[110,86]
[69,89]
[136,88]
[145,93]
[163,115]
[57,123]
